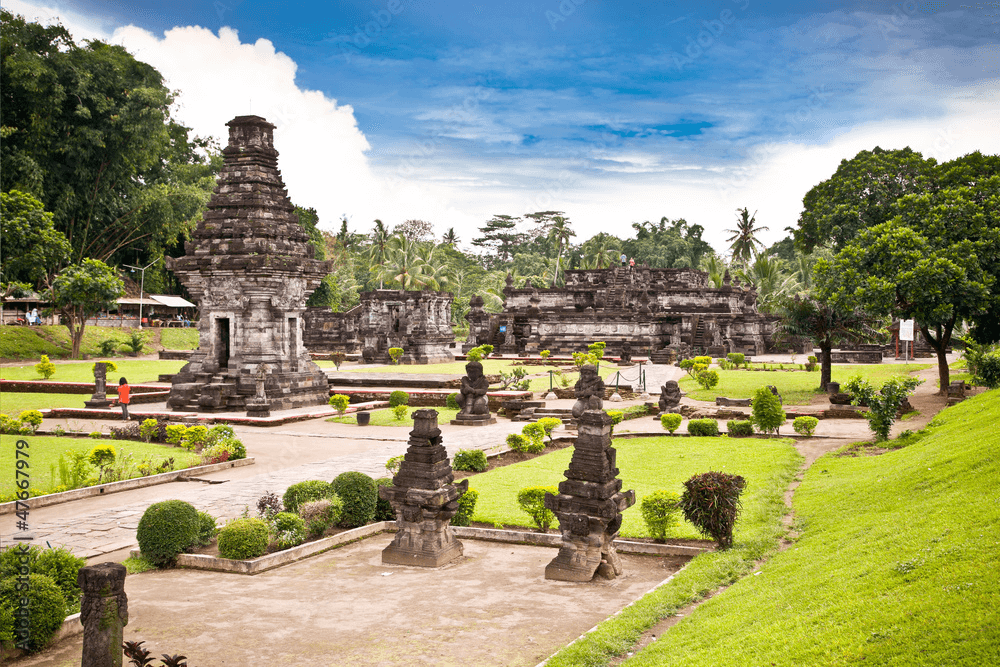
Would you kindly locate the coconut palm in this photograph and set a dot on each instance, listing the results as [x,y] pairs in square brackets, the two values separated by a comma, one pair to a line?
[600,251]
[715,266]
[378,252]
[450,238]
[773,285]
[560,234]
[745,244]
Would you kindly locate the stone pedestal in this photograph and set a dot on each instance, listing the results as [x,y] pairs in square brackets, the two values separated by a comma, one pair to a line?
[99,400]
[589,506]
[103,613]
[425,499]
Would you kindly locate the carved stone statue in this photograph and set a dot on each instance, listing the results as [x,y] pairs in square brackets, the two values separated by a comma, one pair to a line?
[626,354]
[99,400]
[589,391]
[475,406]
[670,395]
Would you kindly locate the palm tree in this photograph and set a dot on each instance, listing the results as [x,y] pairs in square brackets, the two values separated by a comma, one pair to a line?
[560,234]
[745,243]
[716,268]
[600,251]
[450,237]
[379,250]
[773,285]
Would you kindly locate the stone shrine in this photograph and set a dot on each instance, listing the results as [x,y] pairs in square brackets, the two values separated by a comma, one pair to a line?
[425,499]
[417,321]
[650,308]
[475,407]
[589,506]
[99,400]
[250,267]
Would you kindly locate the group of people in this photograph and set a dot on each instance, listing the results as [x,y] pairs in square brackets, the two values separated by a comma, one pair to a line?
[630,262]
[33,318]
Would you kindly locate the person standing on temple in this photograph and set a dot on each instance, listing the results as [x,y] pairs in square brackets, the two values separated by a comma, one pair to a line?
[631,264]
[124,397]
[624,258]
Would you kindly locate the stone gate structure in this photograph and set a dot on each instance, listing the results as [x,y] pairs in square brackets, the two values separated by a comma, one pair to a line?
[417,321]
[652,309]
[250,267]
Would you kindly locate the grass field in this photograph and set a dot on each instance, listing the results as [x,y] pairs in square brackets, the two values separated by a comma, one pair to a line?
[386,418]
[13,403]
[898,563]
[136,370]
[53,340]
[796,387]
[44,453]
[647,464]
[183,338]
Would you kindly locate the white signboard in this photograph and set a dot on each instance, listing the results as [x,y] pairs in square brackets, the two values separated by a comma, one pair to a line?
[906,330]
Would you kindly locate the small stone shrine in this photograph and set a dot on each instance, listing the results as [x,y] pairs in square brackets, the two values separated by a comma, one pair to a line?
[250,267]
[589,390]
[590,504]
[670,395]
[103,613]
[425,499]
[475,407]
[100,398]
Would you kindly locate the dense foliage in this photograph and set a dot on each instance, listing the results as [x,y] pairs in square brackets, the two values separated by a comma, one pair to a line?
[359,494]
[166,529]
[711,502]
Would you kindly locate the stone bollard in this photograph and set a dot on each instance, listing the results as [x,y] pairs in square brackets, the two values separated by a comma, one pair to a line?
[103,613]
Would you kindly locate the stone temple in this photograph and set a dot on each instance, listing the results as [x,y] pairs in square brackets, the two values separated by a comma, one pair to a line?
[652,309]
[250,267]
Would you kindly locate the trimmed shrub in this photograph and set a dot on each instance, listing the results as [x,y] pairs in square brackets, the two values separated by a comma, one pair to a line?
[321,514]
[194,438]
[767,413]
[383,508]
[532,501]
[703,427]
[805,425]
[671,421]
[206,528]
[57,564]
[175,433]
[536,434]
[661,512]
[46,607]
[473,460]
[149,429]
[739,428]
[32,418]
[707,379]
[101,455]
[45,368]
[737,358]
[395,354]
[360,495]
[399,412]
[398,397]
[616,418]
[339,402]
[243,538]
[544,354]
[523,445]
[548,425]
[167,529]
[286,521]
[988,370]
[304,492]
[452,401]
[466,507]
[711,502]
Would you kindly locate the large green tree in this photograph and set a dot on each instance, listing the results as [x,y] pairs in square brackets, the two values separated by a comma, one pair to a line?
[860,194]
[827,326]
[667,244]
[87,131]
[30,247]
[82,290]
[500,238]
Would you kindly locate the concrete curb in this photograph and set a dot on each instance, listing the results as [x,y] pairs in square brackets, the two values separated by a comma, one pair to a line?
[199,418]
[124,485]
[288,556]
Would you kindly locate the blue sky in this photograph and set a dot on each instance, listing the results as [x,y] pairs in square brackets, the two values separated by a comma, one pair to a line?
[612,112]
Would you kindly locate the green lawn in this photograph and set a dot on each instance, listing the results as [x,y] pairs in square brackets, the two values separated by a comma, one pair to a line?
[136,370]
[796,387]
[385,417]
[13,403]
[490,367]
[44,453]
[898,564]
[180,338]
[53,340]
[648,464]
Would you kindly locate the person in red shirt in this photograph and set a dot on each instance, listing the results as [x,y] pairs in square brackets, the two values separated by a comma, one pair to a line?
[123,396]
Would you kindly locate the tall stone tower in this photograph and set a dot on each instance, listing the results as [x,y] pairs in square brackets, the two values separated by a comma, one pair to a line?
[250,267]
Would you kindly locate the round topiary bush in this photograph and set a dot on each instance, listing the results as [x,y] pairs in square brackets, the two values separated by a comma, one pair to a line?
[46,607]
[452,401]
[383,510]
[473,460]
[466,506]
[671,421]
[303,492]
[243,538]
[398,397]
[62,567]
[285,521]
[167,529]
[360,496]
[703,427]
[805,425]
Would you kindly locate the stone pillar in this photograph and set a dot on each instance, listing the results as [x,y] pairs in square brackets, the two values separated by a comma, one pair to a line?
[424,499]
[589,506]
[104,614]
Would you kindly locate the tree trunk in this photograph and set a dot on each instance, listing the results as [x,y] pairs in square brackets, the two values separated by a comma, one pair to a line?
[940,346]
[826,364]
[75,336]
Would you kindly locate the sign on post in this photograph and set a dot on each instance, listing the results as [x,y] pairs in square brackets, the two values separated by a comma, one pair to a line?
[906,330]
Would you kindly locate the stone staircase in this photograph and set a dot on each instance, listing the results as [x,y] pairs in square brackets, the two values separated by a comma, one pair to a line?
[661,357]
[216,393]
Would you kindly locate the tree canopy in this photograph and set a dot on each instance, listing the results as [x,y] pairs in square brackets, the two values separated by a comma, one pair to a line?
[81,291]
[30,246]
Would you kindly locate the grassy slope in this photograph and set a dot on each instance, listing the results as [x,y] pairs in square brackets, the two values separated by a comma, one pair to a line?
[899,563]
[136,370]
[796,388]
[31,342]
[44,451]
[646,464]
